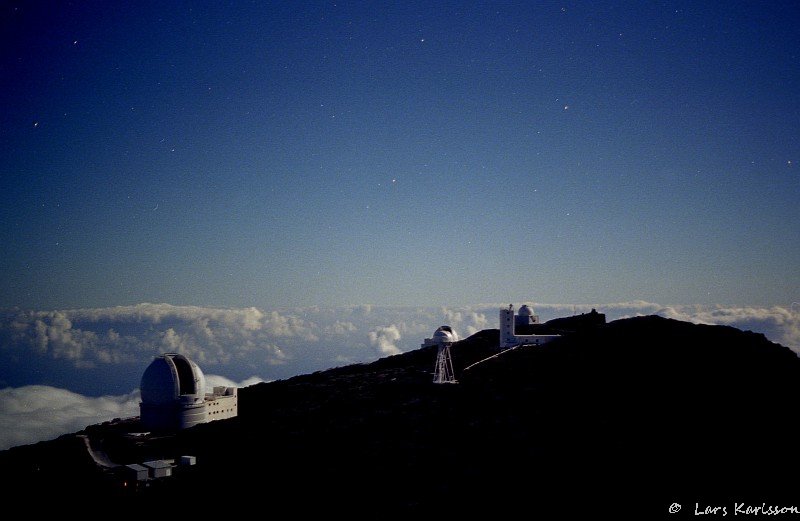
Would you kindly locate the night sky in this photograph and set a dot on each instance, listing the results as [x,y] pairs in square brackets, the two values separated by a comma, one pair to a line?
[268,154]
[278,188]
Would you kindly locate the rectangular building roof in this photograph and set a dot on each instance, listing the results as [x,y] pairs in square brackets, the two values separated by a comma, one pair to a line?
[157,464]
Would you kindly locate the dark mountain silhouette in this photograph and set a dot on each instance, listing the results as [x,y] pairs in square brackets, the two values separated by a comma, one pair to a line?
[617,420]
[563,325]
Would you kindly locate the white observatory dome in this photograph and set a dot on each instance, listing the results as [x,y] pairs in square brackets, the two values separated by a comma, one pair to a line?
[441,337]
[525,310]
[173,392]
[444,334]
[172,377]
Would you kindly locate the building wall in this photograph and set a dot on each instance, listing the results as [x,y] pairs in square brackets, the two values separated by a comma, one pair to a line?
[509,339]
[182,414]
[191,415]
[171,416]
[158,468]
[507,327]
[222,404]
[136,472]
[428,342]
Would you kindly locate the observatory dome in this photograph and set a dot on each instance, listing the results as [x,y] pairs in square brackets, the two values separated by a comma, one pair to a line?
[525,310]
[444,334]
[441,336]
[172,378]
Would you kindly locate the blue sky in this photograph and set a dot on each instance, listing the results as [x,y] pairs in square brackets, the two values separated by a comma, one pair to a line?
[277,188]
[318,153]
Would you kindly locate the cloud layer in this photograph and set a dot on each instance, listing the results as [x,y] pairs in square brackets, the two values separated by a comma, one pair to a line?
[39,412]
[65,369]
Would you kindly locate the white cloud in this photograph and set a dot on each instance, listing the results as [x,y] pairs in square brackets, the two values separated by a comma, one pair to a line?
[127,334]
[38,412]
[290,325]
[779,324]
[385,338]
[278,343]
[342,328]
[53,333]
[214,380]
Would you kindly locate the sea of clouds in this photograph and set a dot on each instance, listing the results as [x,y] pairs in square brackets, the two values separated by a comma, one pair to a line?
[63,370]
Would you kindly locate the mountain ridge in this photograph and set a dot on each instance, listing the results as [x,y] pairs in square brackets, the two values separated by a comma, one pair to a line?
[624,418]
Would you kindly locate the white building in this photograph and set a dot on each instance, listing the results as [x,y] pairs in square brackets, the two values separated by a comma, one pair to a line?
[509,323]
[221,403]
[158,468]
[442,335]
[173,390]
[136,472]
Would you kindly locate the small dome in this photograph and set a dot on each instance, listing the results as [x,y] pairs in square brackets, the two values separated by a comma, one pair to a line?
[442,336]
[445,334]
[525,310]
[170,378]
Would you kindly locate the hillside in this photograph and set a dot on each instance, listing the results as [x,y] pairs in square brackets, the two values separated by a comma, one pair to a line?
[620,419]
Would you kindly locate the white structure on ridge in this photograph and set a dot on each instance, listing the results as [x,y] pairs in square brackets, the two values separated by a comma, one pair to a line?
[509,323]
[443,337]
[174,397]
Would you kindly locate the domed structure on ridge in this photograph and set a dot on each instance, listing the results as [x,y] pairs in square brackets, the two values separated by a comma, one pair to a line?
[442,335]
[172,377]
[173,394]
[525,310]
[174,397]
[526,316]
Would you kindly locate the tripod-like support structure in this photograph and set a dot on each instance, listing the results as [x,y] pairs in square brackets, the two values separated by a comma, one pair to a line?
[443,374]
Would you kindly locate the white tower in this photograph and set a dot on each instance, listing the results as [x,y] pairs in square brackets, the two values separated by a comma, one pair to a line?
[443,372]
[507,338]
